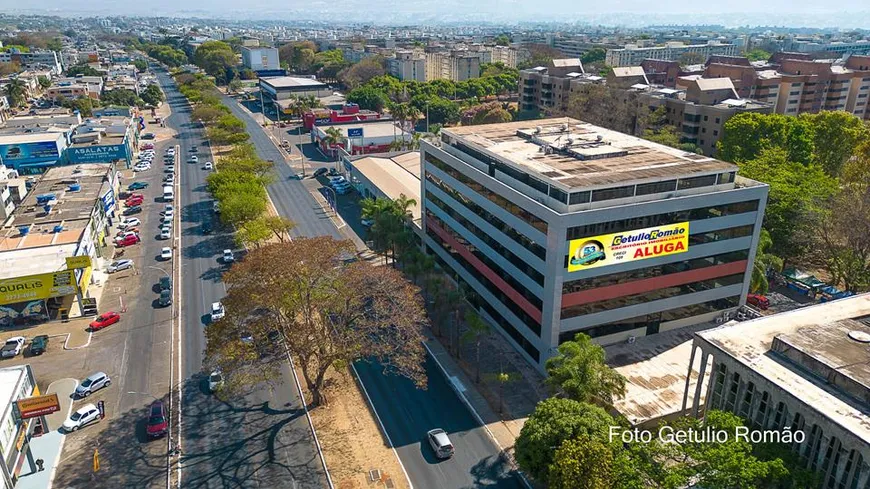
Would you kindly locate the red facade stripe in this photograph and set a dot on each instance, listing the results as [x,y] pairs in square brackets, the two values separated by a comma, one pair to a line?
[487,272]
[653,283]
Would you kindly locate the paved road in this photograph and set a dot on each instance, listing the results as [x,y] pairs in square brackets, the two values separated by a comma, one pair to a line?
[261,439]
[407,412]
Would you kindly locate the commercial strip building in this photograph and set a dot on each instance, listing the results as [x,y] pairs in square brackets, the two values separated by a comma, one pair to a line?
[388,176]
[807,370]
[560,227]
[53,241]
[16,384]
[632,55]
[360,137]
[285,87]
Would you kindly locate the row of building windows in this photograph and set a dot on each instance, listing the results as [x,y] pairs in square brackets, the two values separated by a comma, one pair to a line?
[697,214]
[650,272]
[479,303]
[493,243]
[510,231]
[654,295]
[529,321]
[652,321]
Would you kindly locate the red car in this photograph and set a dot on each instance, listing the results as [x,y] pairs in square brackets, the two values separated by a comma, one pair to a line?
[105,319]
[758,301]
[133,201]
[135,196]
[157,425]
[127,240]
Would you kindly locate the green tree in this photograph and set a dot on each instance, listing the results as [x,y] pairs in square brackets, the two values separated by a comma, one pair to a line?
[361,73]
[215,58]
[208,113]
[44,82]
[748,134]
[280,227]
[836,137]
[502,40]
[584,462]
[764,261]
[82,69]
[121,96]
[84,105]
[141,65]
[796,192]
[594,55]
[368,98]
[554,421]
[7,69]
[240,208]
[152,95]
[253,233]
[757,55]
[842,227]
[578,372]
[15,92]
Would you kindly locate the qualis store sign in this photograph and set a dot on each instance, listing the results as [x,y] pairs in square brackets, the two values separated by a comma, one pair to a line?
[628,246]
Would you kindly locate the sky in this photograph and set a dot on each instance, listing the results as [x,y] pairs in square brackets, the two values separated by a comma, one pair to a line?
[611,12]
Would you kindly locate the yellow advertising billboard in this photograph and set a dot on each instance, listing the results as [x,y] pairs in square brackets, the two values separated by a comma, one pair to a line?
[34,287]
[627,246]
[79,261]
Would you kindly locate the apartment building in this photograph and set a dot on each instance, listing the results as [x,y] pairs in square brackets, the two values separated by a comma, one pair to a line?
[839,47]
[560,227]
[455,65]
[34,60]
[407,65]
[549,87]
[633,55]
[260,59]
[804,370]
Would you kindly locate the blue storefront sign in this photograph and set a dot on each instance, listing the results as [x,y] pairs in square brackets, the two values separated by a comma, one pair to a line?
[108,200]
[98,154]
[28,152]
[354,132]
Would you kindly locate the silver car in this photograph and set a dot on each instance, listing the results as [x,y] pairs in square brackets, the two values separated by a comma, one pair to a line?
[119,265]
[93,383]
[440,443]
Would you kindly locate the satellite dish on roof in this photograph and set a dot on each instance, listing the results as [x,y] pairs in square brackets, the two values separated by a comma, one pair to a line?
[564,127]
[538,129]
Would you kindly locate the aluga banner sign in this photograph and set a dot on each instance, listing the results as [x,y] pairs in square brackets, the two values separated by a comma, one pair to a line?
[628,246]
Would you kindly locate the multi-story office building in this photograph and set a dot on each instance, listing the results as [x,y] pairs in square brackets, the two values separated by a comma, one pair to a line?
[407,65]
[838,47]
[560,227]
[806,370]
[260,59]
[632,55]
[35,60]
[457,65]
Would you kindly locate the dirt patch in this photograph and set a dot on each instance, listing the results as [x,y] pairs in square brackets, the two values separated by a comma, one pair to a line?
[351,438]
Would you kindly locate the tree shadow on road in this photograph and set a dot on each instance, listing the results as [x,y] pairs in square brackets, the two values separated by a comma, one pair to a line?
[495,471]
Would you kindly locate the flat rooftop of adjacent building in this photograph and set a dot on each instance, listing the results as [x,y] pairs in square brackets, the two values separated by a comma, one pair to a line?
[292,82]
[394,174]
[371,129]
[818,354]
[577,154]
[9,379]
[69,215]
[32,137]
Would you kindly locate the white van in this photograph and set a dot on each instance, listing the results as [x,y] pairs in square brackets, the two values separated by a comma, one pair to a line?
[168,193]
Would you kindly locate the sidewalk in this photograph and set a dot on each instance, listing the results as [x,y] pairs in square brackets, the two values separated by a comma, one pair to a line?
[49,446]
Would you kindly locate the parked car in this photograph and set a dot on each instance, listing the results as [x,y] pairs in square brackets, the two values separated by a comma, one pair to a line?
[167,213]
[85,415]
[217,311]
[194,149]
[129,223]
[166,253]
[165,283]
[207,166]
[127,241]
[157,425]
[132,210]
[139,168]
[93,383]
[165,233]
[12,347]
[319,172]
[193,159]
[336,180]
[39,344]
[165,298]
[105,319]
[137,186]
[169,169]
[133,202]
[169,179]
[119,265]
[122,235]
[228,256]
[758,300]
[148,135]
[215,381]
[440,443]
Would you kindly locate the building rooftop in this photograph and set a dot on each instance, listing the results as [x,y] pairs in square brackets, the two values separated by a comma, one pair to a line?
[621,71]
[394,175]
[31,137]
[714,84]
[818,354]
[371,129]
[576,154]
[292,82]
[9,383]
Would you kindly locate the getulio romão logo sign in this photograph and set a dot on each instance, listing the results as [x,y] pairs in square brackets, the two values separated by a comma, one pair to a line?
[628,246]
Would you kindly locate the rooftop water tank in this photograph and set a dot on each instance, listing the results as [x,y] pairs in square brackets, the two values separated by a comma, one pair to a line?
[23,230]
[47,208]
[58,228]
[75,187]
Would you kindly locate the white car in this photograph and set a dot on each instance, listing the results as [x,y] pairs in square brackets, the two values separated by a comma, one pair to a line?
[170,179]
[167,213]
[84,415]
[12,347]
[215,381]
[129,223]
[207,166]
[166,253]
[165,233]
[228,256]
[119,265]
[169,169]
[193,158]
[217,311]
[168,208]
[139,168]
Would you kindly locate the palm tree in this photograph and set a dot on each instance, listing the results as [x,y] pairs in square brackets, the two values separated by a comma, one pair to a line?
[16,90]
[764,262]
[477,330]
[333,136]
